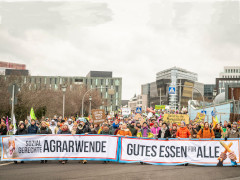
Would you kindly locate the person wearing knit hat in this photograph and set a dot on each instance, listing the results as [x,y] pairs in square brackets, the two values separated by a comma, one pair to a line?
[183,131]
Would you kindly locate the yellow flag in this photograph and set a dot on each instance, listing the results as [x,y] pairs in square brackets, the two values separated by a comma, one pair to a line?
[215,121]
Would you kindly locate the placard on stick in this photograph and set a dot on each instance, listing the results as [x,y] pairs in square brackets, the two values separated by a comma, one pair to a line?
[98,116]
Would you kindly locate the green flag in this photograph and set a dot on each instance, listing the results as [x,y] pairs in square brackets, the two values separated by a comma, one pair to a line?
[32,114]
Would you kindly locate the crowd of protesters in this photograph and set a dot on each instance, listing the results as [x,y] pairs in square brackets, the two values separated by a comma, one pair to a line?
[151,128]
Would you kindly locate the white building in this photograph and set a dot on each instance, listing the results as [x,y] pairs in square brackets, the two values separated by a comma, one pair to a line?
[138,101]
[230,72]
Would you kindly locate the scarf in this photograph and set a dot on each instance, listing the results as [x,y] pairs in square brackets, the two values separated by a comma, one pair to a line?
[233,131]
[163,132]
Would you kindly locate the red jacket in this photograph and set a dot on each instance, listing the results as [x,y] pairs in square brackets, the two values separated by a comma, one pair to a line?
[183,132]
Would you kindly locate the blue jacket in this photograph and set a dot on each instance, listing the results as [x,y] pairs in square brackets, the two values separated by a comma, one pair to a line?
[32,129]
[115,126]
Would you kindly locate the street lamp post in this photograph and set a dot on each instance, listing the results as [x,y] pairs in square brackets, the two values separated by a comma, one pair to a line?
[64,88]
[90,99]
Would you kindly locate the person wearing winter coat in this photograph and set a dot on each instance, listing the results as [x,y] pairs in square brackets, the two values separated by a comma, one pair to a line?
[218,132]
[83,128]
[57,128]
[115,125]
[183,131]
[52,126]
[233,132]
[173,131]
[132,128]
[119,127]
[32,128]
[64,130]
[145,131]
[164,132]
[206,132]
[70,124]
[21,131]
[155,130]
[106,130]
[44,129]
[124,131]
[11,130]
[193,130]
[3,128]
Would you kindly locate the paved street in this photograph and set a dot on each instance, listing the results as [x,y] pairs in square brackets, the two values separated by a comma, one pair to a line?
[97,170]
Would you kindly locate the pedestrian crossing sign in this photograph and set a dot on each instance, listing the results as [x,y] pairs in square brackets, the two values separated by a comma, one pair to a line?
[171,90]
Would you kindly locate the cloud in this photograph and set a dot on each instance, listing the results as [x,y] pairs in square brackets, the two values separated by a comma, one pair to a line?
[134,39]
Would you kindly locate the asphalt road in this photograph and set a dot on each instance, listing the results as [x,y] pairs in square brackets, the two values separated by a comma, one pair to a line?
[97,170]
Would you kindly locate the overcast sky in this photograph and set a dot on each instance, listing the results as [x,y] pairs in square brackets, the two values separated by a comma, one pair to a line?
[133,38]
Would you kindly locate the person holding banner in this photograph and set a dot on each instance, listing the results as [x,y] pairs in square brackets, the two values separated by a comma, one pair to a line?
[155,129]
[106,130]
[173,131]
[233,132]
[83,128]
[21,131]
[132,128]
[124,131]
[164,131]
[206,132]
[145,131]
[218,131]
[183,131]
[32,128]
[64,130]
[44,129]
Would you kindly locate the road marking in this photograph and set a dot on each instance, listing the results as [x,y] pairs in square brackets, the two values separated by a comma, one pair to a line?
[6,164]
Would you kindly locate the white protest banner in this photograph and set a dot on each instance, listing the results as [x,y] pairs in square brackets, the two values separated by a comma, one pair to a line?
[126,111]
[55,147]
[174,152]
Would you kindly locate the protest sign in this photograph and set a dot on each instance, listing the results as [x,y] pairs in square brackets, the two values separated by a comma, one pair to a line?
[55,147]
[172,152]
[98,116]
[176,118]
[126,111]
[159,107]
[200,117]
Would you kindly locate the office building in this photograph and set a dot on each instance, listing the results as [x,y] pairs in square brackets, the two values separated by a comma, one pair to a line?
[101,80]
[182,81]
[208,91]
[230,76]
[8,68]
